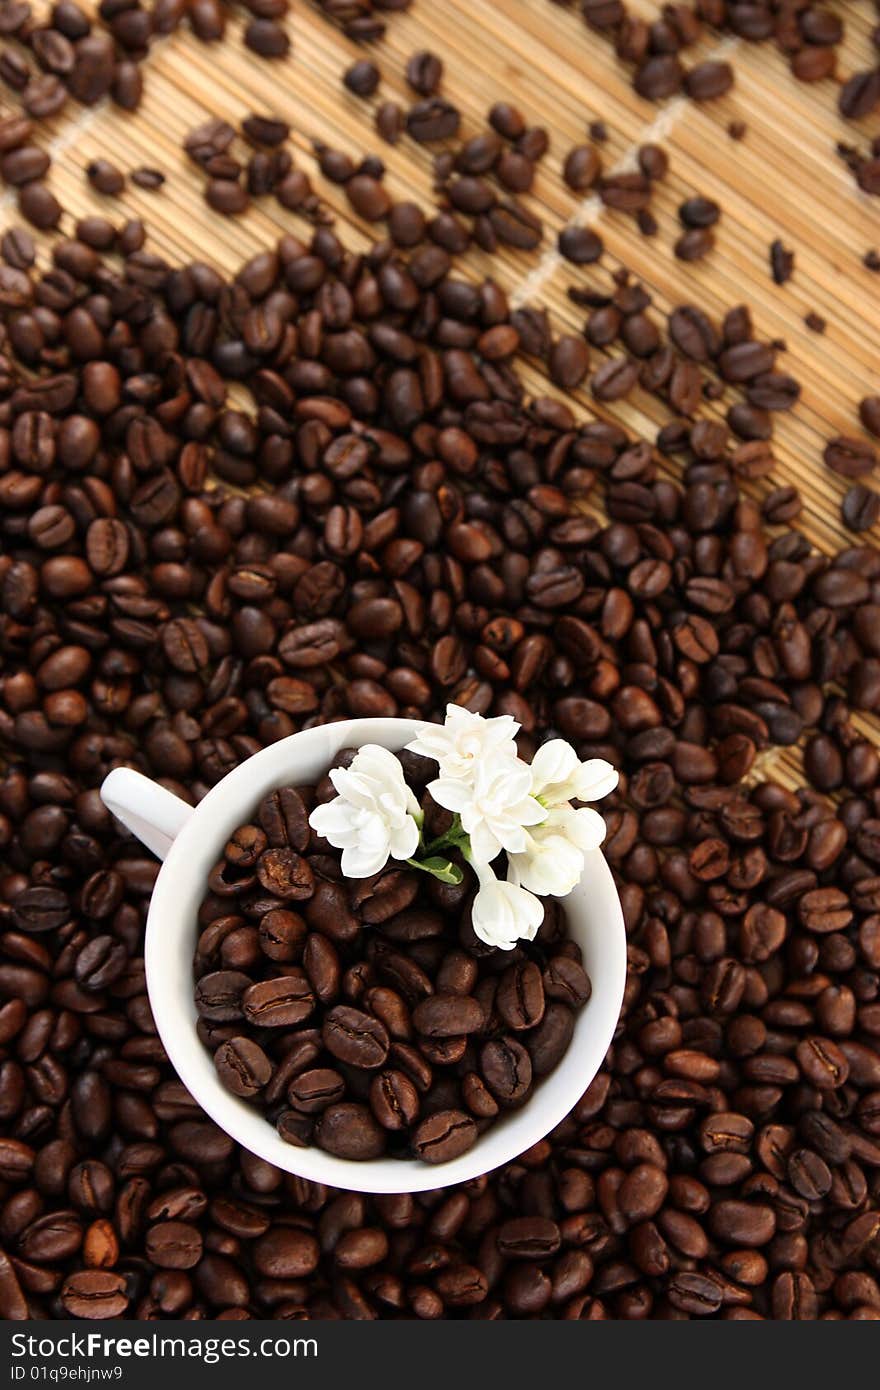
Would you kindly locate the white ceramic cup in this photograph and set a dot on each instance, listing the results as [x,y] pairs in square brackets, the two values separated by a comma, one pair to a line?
[190,840]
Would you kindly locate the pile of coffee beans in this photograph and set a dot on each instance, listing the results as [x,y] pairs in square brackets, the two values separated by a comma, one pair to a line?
[364,1015]
[413,533]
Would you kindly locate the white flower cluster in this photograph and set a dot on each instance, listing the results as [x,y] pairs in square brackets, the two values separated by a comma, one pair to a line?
[523,809]
[374,817]
[499,803]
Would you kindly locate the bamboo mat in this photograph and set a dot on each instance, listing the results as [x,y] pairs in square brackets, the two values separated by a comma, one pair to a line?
[782,180]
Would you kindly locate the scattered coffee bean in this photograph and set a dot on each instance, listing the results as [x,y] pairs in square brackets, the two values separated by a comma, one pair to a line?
[699,212]
[362,78]
[105,177]
[860,508]
[695,244]
[147,178]
[424,72]
[849,457]
[781,262]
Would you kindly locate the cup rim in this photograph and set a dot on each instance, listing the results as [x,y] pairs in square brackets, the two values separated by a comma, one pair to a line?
[515,1131]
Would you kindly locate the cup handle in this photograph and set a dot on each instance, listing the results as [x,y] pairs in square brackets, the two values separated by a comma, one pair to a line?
[154,815]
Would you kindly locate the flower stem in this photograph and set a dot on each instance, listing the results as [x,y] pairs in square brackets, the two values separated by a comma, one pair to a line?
[453,838]
[439,868]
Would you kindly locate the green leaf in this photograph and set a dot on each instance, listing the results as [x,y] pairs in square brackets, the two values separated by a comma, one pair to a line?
[439,868]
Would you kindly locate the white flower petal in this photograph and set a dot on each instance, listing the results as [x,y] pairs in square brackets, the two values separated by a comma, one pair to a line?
[361,862]
[465,741]
[594,779]
[584,827]
[379,764]
[551,866]
[529,811]
[459,719]
[374,803]
[404,841]
[451,794]
[373,832]
[510,833]
[485,845]
[555,761]
[357,788]
[507,782]
[503,913]
[430,742]
[327,814]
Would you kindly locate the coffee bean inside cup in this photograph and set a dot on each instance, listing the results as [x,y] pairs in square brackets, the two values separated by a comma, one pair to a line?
[371,1020]
[364,1015]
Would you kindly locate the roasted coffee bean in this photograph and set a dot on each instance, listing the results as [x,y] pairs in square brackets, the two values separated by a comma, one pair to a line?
[859,95]
[424,71]
[267,38]
[283,817]
[581,168]
[567,981]
[519,998]
[394,1100]
[548,1043]
[699,212]
[658,77]
[528,1238]
[17,248]
[506,1068]
[822,1062]
[708,80]
[286,1253]
[445,1135]
[569,361]
[694,245]
[614,379]
[362,78]
[580,245]
[105,177]
[742,1223]
[696,1294]
[94,1293]
[355,1037]
[219,996]
[312,1091]
[781,262]
[281,1002]
[448,1015]
[174,1245]
[350,1131]
[285,874]
[40,909]
[432,119]
[242,1066]
[860,508]
[851,458]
